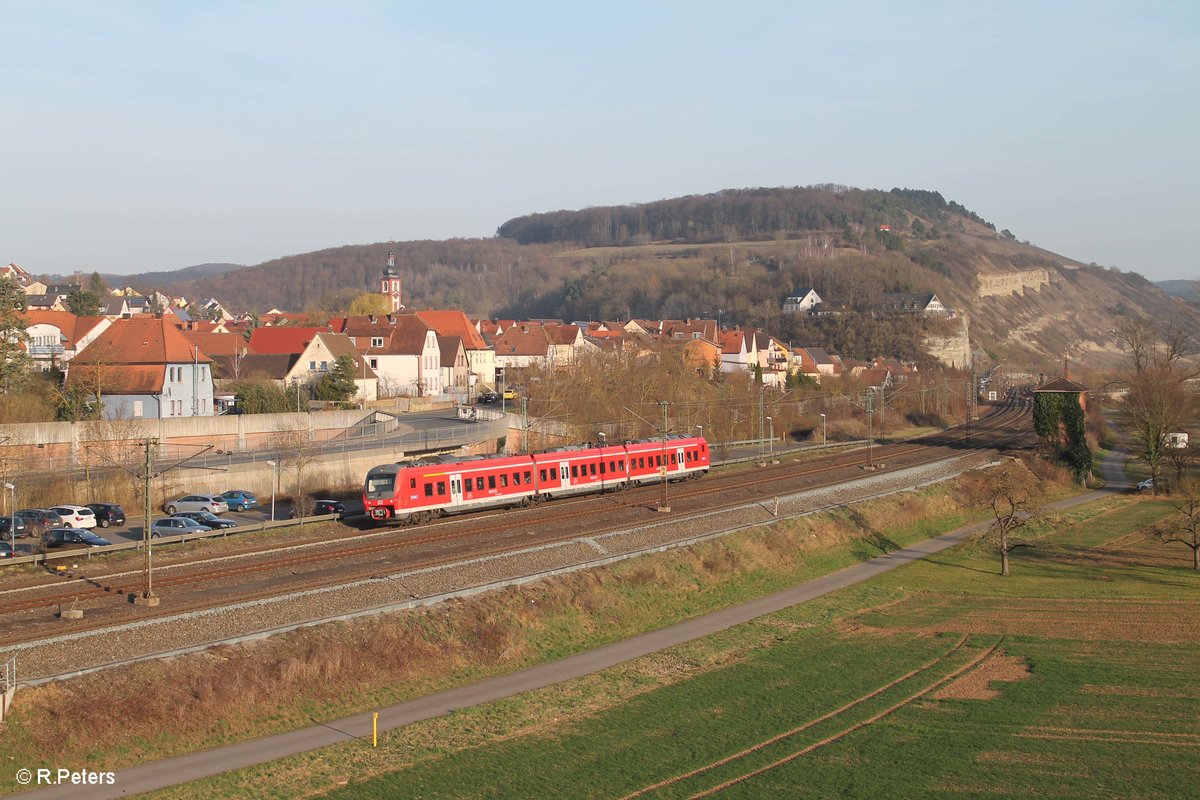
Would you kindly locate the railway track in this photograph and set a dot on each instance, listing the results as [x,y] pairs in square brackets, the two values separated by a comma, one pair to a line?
[994,430]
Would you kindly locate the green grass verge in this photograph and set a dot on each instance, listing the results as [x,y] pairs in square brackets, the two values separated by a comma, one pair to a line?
[1050,735]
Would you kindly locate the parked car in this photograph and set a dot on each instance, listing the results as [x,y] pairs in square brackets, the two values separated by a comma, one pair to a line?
[76,516]
[511,394]
[1148,485]
[39,520]
[198,502]
[6,550]
[489,397]
[6,524]
[239,499]
[324,507]
[175,526]
[206,518]
[72,537]
[108,514]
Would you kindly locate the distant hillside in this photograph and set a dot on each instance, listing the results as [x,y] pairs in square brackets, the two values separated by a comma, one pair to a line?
[737,214]
[172,277]
[1188,290]
[737,254]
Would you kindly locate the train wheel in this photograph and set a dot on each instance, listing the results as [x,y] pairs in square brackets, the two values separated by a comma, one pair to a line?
[426,516]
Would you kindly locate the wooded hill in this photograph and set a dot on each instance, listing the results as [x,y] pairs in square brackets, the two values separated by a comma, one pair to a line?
[736,254]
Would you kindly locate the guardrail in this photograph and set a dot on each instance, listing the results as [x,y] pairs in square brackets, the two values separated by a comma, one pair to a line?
[266,525]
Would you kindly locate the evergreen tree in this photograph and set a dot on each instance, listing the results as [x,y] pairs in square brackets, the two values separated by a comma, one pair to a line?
[14,358]
[83,303]
[338,385]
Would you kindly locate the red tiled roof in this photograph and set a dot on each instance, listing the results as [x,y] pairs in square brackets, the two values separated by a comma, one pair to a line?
[561,334]
[523,340]
[113,379]
[217,344]
[454,323]
[144,339]
[402,334]
[286,339]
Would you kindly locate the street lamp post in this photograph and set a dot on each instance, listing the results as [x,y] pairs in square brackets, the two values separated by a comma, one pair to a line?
[824,438]
[274,482]
[12,512]
[771,441]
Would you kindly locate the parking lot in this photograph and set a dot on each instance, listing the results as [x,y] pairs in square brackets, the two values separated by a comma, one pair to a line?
[132,530]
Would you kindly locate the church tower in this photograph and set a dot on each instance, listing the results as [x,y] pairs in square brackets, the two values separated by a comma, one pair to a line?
[389,284]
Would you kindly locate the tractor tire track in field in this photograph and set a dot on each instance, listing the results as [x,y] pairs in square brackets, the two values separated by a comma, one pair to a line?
[801,728]
[972,664]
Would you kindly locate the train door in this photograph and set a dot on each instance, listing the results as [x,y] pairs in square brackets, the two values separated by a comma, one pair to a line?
[565,472]
[682,462]
[456,491]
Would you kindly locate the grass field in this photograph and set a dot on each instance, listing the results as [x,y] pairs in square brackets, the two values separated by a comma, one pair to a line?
[1074,677]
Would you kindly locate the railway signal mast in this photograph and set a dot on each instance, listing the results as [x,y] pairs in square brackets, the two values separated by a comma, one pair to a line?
[664,506]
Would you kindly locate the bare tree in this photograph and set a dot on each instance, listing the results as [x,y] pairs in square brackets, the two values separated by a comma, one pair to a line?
[1158,398]
[297,453]
[1184,527]
[1014,495]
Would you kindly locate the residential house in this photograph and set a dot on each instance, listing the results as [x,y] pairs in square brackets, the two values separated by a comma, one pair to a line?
[523,345]
[144,367]
[17,273]
[401,349]
[566,344]
[313,353]
[481,357]
[825,363]
[912,303]
[55,336]
[801,301]
[455,372]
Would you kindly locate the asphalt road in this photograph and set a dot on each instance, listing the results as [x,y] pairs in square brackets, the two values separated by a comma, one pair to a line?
[194,766]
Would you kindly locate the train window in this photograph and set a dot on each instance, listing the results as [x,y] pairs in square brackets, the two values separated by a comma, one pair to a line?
[574,470]
[593,469]
[612,466]
[412,483]
[703,448]
[441,487]
[429,490]
[674,458]
[601,467]
[491,481]
[642,463]
[516,479]
[542,475]
[479,484]
[503,481]
[528,477]
[621,465]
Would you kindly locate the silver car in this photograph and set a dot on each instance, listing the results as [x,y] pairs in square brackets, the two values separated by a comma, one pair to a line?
[197,502]
[174,526]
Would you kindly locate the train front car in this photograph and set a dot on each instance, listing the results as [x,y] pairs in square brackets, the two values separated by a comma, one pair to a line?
[379,492]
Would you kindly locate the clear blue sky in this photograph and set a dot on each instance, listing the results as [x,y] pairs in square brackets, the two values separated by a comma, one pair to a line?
[156,135]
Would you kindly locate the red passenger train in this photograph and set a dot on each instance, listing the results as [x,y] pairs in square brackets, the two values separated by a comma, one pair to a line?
[422,490]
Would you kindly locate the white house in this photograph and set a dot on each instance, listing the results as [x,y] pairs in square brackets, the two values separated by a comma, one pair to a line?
[801,301]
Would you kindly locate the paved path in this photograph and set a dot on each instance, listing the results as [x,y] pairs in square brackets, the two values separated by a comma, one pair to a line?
[182,769]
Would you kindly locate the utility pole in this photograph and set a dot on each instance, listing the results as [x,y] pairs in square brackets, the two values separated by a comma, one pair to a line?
[762,421]
[663,505]
[870,435]
[524,424]
[147,597]
[883,419]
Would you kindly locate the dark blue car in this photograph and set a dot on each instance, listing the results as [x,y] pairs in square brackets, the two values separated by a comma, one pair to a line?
[240,499]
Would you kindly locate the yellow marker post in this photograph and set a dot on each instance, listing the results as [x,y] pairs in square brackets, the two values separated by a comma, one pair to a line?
[375,729]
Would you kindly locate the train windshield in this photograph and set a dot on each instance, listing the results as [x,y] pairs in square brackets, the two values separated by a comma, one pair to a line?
[381,484]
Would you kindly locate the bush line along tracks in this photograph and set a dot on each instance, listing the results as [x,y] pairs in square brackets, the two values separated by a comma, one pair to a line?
[991,431]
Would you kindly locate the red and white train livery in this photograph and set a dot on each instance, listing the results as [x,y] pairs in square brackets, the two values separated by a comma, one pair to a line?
[422,490]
